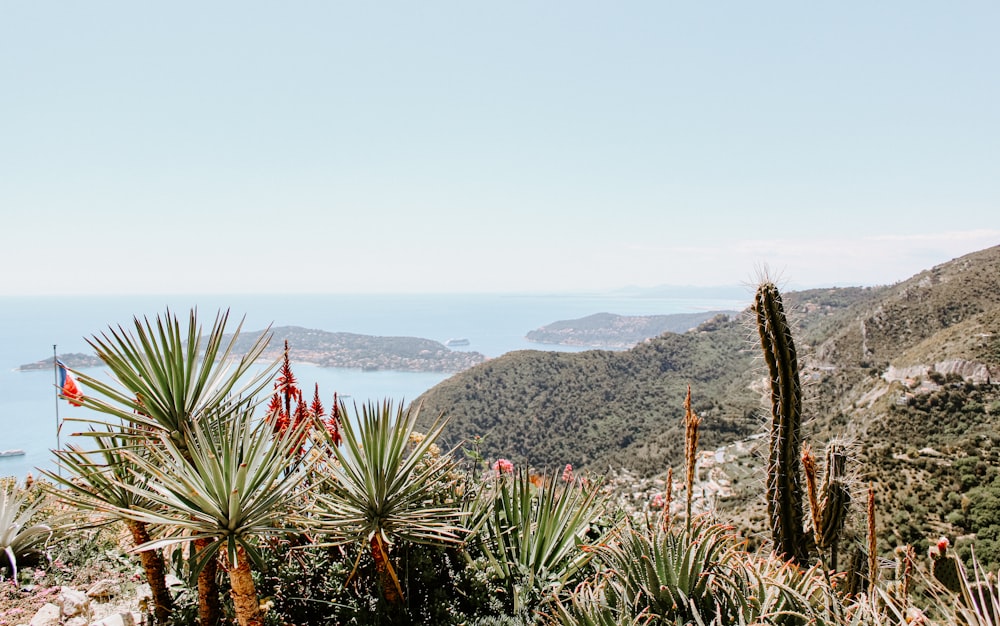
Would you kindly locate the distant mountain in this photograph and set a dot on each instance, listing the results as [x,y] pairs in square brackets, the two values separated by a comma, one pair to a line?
[608,330]
[721,292]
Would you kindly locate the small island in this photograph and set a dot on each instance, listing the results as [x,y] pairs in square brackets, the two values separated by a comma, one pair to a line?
[330,349]
[620,332]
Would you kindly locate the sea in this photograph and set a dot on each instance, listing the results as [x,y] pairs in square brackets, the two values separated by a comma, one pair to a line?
[33,420]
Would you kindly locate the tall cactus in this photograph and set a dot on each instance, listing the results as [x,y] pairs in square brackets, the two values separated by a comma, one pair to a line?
[784,484]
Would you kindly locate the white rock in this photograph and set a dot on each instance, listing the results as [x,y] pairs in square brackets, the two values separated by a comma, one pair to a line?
[104,588]
[120,619]
[48,615]
[79,620]
[74,603]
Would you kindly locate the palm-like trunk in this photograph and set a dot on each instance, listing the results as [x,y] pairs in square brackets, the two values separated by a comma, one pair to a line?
[209,609]
[244,592]
[152,563]
[391,590]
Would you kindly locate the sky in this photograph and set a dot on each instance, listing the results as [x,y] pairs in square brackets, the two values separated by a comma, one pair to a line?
[356,147]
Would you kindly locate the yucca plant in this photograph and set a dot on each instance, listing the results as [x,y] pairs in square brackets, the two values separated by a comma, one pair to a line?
[235,484]
[166,379]
[386,488]
[168,376]
[98,480]
[533,534]
[19,537]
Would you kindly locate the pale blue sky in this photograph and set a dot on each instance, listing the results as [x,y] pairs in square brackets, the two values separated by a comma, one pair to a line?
[192,147]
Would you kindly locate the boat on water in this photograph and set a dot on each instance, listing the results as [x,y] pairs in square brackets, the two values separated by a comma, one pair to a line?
[13,452]
[453,343]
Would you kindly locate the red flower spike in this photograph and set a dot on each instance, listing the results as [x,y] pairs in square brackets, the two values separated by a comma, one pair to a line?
[277,416]
[286,383]
[281,423]
[333,423]
[317,406]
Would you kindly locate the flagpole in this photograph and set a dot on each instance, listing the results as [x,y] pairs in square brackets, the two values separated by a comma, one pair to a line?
[55,373]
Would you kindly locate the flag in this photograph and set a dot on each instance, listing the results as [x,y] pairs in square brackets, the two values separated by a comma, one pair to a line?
[67,386]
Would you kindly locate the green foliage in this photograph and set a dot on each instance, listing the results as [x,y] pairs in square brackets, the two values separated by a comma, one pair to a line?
[168,378]
[678,576]
[674,575]
[100,479]
[533,535]
[306,586]
[587,606]
[22,537]
[599,408]
[702,576]
[236,483]
[388,482]
[389,486]
[311,584]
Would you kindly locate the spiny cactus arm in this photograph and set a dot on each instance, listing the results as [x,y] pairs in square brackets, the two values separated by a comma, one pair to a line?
[836,501]
[784,490]
[779,352]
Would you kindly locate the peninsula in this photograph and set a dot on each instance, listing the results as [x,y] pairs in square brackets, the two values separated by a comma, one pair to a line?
[331,349]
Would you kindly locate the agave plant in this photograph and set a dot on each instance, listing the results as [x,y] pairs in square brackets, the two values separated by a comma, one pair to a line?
[19,538]
[772,590]
[588,606]
[533,536]
[168,379]
[386,487]
[236,483]
[99,481]
[674,575]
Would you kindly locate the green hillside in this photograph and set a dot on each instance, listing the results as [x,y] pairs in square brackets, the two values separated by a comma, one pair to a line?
[907,373]
[602,409]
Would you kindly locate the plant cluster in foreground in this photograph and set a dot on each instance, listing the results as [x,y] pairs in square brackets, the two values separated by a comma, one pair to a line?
[287,514]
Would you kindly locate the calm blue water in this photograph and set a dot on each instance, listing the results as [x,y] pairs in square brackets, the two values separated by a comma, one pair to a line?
[494,325]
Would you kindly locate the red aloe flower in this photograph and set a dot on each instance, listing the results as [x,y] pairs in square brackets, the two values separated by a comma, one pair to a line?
[317,407]
[567,475]
[333,423]
[277,416]
[301,412]
[286,383]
